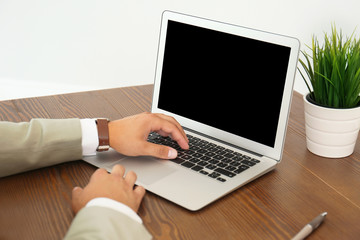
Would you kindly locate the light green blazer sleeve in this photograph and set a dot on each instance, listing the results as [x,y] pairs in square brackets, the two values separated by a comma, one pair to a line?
[38,143]
[104,223]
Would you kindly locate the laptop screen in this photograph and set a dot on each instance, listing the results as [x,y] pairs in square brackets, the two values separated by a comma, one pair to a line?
[226,81]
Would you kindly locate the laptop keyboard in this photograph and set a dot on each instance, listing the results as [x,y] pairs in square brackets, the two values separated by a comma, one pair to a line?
[207,158]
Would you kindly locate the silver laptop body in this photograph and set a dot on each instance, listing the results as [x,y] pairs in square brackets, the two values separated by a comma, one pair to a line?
[228,85]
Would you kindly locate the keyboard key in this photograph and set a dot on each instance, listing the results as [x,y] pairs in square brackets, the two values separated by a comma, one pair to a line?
[226,160]
[181,153]
[203,172]
[244,167]
[214,175]
[239,170]
[194,148]
[205,158]
[197,168]
[188,164]
[249,163]
[211,166]
[235,164]
[197,155]
[218,157]
[222,165]
[196,139]
[237,158]
[229,155]
[203,145]
[230,168]
[194,160]
[255,160]
[203,163]
[186,157]
[221,152]
[210,154]
[212,149]
[225,172]
[177,160]
[213,161]
[190,152]
[229,151]
[202,151]
[189,136]
[207,146]
[221,179]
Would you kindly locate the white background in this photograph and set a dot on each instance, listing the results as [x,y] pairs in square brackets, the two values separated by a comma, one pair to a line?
[57,46]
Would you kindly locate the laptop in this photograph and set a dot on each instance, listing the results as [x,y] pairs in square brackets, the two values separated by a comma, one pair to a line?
[230,87]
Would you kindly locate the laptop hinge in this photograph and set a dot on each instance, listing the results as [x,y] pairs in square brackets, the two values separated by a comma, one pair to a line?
[223,142]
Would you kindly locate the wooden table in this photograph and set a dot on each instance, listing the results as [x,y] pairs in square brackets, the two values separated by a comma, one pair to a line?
[36,204]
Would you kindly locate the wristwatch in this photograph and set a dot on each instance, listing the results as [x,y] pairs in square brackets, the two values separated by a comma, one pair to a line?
[103,132]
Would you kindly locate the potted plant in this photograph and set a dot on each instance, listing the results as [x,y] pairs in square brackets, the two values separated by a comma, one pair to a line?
[332,112]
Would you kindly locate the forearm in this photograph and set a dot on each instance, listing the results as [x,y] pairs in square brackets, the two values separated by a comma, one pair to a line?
[38,143]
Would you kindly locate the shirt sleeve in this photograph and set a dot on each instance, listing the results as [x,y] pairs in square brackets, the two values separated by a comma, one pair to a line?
[90,138]
[114,205]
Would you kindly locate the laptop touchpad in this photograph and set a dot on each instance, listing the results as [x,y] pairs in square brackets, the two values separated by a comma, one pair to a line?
[147,169]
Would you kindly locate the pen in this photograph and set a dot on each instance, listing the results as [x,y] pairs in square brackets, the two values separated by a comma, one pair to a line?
[310,227]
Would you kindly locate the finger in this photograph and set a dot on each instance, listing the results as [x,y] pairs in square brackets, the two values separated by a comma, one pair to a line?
[180,139]
[139,191]
[172,121]
[159,151]
[98,174]
[75,199]
[131,178]
[176,123]
[183,143]
[118,170]
[162,126]
[76,192]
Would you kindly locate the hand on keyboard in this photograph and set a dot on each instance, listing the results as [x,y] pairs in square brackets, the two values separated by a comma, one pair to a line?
[128,135]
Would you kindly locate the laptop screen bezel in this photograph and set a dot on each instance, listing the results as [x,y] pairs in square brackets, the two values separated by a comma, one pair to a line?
[293,43]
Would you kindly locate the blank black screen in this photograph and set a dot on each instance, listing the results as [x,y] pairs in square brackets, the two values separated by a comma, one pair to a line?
[226,81]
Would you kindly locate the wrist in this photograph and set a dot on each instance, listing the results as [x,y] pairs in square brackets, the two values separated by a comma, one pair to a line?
[116,140]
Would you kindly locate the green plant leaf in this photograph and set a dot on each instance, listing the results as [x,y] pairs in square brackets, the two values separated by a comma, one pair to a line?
[332,72]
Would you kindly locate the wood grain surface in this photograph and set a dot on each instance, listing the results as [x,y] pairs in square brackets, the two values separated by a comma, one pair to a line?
[36,204]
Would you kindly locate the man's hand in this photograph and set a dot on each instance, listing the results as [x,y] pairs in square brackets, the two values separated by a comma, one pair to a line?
[129,135]
[113,186]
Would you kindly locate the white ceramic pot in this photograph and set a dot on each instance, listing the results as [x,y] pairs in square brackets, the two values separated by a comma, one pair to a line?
[331,132]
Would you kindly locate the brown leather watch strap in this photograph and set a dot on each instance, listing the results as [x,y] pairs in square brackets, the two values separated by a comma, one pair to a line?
[103,132]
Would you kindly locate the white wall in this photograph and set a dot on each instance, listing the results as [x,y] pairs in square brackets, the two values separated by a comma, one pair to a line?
[52,46]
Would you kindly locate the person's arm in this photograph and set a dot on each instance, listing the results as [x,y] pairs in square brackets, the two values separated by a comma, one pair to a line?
[38,143]
[44,142]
